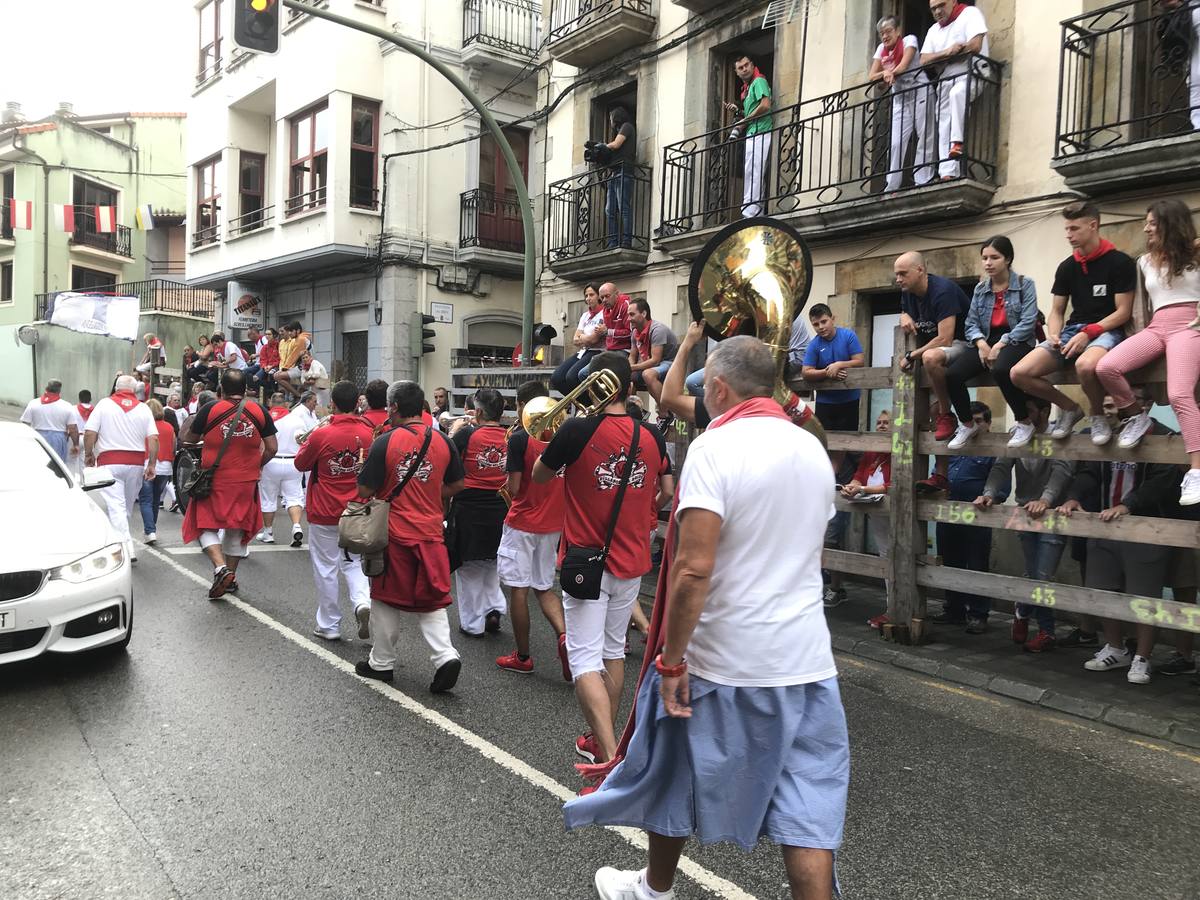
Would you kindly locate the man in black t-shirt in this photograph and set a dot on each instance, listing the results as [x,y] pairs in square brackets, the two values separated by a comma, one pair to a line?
[618,205]
[1098,281]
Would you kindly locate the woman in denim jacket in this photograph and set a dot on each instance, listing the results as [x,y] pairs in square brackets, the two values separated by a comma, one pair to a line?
[1002,324]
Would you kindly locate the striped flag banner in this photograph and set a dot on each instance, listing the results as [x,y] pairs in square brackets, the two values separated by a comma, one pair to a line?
[64,217]
[144,217]
[106,219]
[21,212]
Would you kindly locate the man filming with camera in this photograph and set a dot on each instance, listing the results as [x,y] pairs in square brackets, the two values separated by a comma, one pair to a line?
[618,156]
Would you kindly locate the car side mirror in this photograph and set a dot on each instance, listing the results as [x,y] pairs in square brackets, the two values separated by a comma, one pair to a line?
[96,478]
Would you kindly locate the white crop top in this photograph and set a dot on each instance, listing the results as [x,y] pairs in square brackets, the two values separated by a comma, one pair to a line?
[1183,288]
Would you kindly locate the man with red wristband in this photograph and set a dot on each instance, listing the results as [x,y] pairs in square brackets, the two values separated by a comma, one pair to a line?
[1098,281]
[744,658]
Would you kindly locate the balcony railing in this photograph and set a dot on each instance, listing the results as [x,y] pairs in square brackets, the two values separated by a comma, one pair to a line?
[603,209]
[865,141]
[119,241]
[504,24]
[491,221]
[156,295]
[209,234]
[251,221]
[364,197]
[1124,76]
[6,229]
[569,16]
[313,199]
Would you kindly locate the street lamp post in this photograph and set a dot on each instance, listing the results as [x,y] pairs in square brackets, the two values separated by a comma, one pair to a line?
[489,121]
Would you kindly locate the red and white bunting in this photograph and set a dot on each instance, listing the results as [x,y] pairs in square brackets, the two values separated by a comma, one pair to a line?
[64,217]
[21,213]
[106,219]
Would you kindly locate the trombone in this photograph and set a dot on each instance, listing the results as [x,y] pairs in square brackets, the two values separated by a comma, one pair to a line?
[542,416]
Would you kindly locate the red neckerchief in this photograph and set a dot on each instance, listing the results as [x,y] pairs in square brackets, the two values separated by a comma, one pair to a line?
[48,397]
[278,412]
[597,772]
[746,85]
[895,52]
[958,10]
[127,400]
[84,410]
[1106,246]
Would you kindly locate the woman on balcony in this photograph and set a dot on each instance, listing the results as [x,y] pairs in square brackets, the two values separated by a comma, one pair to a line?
[892,64]
[1170,271]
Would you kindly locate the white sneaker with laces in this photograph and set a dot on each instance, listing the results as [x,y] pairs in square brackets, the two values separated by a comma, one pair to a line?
[1134,430]
[1065,426]
[328,635]
[1139,671]
[962,435]
[151,538]
[1189,490]
[1109,657]
[1022,434]
[614,884]
[1101,430]
[265,537]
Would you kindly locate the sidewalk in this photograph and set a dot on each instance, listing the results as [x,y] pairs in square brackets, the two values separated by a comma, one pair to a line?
[10,413]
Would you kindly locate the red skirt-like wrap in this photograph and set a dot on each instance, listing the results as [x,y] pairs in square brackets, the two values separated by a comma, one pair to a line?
[230,505]
[416,577]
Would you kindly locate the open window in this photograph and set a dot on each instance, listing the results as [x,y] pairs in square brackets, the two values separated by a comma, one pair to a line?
[602,107]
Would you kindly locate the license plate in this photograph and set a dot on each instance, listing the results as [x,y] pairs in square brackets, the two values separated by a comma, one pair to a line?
[8,620]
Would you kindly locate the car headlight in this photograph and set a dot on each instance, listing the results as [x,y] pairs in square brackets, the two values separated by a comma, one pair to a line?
[101,563]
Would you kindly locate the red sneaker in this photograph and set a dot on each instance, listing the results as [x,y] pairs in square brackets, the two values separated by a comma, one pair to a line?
[945,427]
[562,657]
[589,789]
[1041,643]
[1020,631]
[514,663]
[933,484]
[879,621]
[586,746]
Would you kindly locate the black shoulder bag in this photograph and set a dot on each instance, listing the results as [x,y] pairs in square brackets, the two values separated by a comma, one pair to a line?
[583,567]
[199,483]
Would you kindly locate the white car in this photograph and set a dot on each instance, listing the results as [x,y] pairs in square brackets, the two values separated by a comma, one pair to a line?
[65,576]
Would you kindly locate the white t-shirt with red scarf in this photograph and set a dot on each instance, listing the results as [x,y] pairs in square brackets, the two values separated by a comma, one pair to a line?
[122,424]
[966,22]
[890,58]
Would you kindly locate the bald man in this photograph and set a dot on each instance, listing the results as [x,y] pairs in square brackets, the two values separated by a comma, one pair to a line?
[618,335]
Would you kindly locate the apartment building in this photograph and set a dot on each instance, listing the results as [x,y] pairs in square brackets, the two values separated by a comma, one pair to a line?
[352,182]
[122,160]
[1072,98]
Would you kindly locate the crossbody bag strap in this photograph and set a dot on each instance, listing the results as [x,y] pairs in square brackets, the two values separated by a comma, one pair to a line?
[629,464]
[416,464]
[241,408]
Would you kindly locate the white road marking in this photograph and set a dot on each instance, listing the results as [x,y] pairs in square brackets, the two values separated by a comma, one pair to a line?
[710,881]
[256,548]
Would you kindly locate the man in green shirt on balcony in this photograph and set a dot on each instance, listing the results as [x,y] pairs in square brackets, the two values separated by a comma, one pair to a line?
[756,125]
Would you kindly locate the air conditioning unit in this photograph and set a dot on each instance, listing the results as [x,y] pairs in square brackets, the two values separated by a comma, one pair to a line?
[456,278]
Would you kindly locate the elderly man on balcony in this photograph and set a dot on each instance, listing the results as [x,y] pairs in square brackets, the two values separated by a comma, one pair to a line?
[756,122]
[892,64]
[959,31]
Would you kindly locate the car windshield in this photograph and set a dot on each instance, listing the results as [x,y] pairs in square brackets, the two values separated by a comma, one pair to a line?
[29,467]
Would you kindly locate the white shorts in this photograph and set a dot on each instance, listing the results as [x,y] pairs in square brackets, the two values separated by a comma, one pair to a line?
[596,629]
[279,478]
[527,560]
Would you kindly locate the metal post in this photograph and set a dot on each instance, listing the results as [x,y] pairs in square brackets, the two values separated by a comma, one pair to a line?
[485,115]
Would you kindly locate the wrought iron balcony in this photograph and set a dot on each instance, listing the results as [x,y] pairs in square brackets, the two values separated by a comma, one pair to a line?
[599,221]
[254,220]
[1127,114]
[861,158]
[510,26]
[586,32]
[490,220]
[118,241]
[156,295]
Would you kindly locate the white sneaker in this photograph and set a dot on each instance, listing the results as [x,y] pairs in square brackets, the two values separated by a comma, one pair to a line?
[1065,426]
[1139,671]
[613,884]
[1134,430]
[265,537]
[151,538]
[1189,490]
[331,635]
[1109,657]
[132,549]
[962,434]
[1022,434]
[1101,431]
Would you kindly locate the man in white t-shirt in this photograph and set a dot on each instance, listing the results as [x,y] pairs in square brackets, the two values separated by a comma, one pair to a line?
[958,32]
[316,378]
[280,480]
[121,436]
[53,418]
[227,354]
[746,660]
[588,341]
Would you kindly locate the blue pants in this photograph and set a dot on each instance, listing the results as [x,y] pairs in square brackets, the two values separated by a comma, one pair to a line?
[149,499]
[966,547]
[618,208]
[1042,555]
[695,385]
[58,441]
[568,375]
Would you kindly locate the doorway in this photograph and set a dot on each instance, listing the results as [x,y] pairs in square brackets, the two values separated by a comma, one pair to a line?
[354,357]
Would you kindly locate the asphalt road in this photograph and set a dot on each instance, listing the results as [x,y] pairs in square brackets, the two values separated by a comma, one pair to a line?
[230,754]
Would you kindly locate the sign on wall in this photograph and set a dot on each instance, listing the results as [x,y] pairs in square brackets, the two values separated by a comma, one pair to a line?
[442,312]
[247,306]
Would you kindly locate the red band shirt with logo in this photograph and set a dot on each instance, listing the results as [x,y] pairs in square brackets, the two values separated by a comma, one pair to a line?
[416,515]
[537,508]
[335,455]
[484,452]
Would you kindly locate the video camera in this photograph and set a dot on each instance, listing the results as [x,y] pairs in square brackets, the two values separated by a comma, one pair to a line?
[598,152]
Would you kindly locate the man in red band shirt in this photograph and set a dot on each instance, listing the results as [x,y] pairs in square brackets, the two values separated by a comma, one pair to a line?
[333,456]
[376,412]
[233,505]
[529,544]
[416,574]
[595,451]
[477,517]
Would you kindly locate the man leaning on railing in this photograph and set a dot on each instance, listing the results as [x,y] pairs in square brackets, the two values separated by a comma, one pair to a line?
[958,32]
[756,122]
[1178,33]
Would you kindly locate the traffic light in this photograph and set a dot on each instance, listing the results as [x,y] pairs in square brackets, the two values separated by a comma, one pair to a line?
[420,335]
[256,25]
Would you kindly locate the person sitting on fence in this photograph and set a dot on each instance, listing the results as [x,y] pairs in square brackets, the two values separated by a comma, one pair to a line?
[615,329]
[830,357]
[1171,273]
[268,362]
[654,348]
[1178,32]
[1098,281]
[892,64]
[1116,489]
[872,477]
[755,123]
[1002,325]
[964,546]
[959,31]
[1041,484]
[155,356]
[587,342]
[296,341]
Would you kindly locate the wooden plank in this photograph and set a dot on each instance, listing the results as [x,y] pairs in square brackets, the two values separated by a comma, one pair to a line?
[856,379]
[1155,373]
[1154,448]
[855,563]
[859,442]
[1069,597]
[881,507]
[1134,529]
[908,540]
